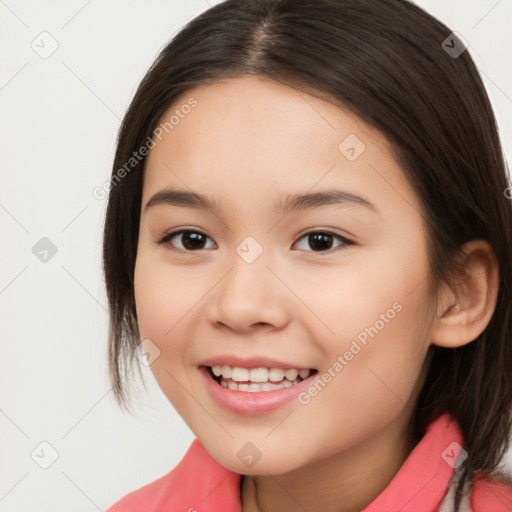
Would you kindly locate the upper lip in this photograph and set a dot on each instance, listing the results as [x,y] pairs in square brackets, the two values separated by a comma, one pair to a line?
[250,362]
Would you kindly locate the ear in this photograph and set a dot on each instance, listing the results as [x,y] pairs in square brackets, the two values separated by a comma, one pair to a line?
[464,314]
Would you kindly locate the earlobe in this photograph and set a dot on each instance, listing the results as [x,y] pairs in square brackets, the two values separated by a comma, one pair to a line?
[462,316]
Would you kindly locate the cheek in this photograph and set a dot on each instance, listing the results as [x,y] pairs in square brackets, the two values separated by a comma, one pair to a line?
[374,379]
[165,299]
[392,354]
[163,296]
[374,317]
[347,300]
[152,298]
[164,293]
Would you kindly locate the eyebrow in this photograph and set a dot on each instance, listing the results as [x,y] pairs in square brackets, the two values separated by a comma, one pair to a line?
[292,202]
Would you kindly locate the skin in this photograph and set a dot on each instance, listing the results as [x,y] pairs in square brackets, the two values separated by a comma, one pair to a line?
[247,143]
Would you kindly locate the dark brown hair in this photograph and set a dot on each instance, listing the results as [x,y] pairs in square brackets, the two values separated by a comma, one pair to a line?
[385,61]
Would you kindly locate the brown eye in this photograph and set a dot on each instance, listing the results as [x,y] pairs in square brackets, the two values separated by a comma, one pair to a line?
[189,240]
[322,241]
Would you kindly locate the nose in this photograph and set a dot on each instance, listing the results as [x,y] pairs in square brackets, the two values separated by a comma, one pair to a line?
[250,296]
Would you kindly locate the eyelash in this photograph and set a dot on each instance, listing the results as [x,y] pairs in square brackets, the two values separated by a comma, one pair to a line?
[345,242]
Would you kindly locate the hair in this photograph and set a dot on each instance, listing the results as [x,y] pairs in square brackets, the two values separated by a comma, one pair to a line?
[384,61]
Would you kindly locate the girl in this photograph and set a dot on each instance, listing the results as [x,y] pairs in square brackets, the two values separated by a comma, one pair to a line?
[309,236]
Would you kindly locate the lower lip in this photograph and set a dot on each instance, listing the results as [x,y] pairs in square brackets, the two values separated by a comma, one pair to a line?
[250,403]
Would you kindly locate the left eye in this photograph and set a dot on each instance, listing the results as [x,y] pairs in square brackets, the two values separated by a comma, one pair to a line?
[192,239]
[195,240]
[318,240]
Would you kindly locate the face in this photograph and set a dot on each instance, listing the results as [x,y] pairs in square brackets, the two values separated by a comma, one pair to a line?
[335,283]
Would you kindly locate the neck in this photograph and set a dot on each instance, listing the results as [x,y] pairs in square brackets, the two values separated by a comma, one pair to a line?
[344,482]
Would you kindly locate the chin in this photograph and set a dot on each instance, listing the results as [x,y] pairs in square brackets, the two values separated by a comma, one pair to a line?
[273,463]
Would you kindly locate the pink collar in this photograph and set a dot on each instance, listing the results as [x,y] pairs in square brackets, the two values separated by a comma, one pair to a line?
[422,482]
[200,483]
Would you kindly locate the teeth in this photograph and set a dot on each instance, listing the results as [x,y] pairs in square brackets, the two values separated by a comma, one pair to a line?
[275,374]
[304,373]
[291,375]
[258,379]
[254,387]
[258,375]
[239,374]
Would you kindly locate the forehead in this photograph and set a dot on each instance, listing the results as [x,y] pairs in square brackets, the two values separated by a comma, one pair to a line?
[264,114]
[249,137]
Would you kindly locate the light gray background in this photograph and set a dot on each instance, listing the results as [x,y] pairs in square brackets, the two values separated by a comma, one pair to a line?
[58,122]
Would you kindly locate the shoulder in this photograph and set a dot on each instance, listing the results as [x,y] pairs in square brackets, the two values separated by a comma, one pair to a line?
[491,494]
[197,482]
[157,496]
[143,497]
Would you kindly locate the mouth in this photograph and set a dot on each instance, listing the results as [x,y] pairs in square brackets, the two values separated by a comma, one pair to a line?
[259,379]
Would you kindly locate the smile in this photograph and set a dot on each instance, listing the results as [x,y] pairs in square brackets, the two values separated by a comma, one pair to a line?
[257,379]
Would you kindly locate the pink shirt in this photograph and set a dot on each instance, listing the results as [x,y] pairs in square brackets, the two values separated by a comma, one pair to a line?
[200,484]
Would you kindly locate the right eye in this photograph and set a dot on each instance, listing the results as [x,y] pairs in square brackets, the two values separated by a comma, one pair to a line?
[190,240]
